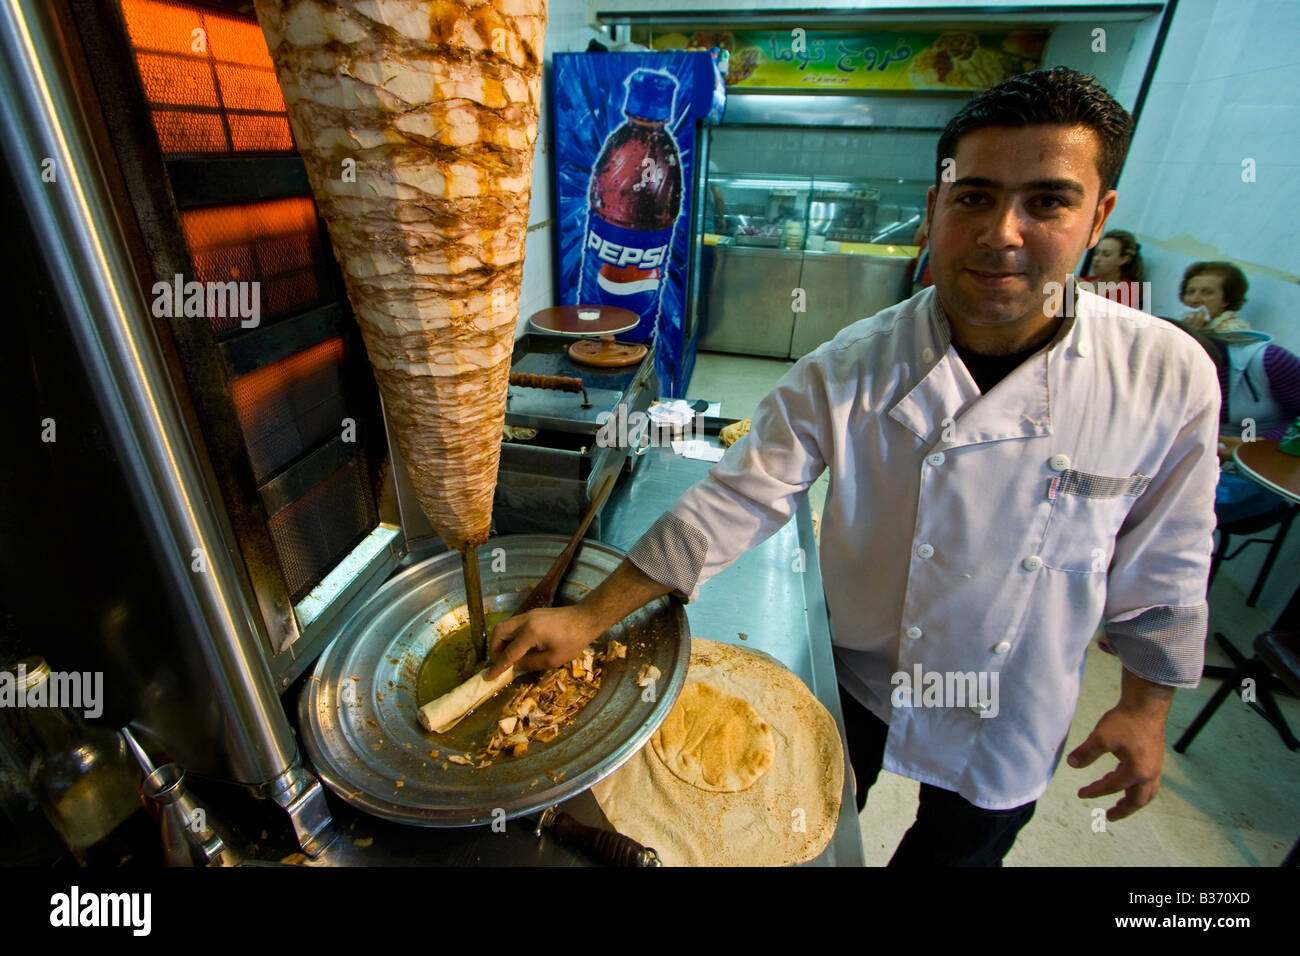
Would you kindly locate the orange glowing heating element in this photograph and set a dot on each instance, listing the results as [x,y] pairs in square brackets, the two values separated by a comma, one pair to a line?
[291,406]
[277,399]
[254,389]
[275,243]
[208,78]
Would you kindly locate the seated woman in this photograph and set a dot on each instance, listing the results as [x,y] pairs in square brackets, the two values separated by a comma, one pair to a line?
[1213,292]
[1116,259]
[1260,384]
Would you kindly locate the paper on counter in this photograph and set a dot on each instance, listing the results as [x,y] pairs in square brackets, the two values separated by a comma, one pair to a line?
[698,450]
[676,412]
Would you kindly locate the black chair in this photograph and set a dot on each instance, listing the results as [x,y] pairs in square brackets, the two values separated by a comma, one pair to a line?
[1275,667]
[1281,517]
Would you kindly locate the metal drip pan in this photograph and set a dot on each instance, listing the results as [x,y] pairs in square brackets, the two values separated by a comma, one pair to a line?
[357,712]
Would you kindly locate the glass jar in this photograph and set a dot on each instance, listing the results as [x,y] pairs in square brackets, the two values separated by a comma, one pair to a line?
[82,775]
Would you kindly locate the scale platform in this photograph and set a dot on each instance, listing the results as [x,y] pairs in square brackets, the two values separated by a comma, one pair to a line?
[602,320]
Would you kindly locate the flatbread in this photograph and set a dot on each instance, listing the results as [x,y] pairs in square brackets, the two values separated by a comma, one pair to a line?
[787,816]
[440,715]
[714,740]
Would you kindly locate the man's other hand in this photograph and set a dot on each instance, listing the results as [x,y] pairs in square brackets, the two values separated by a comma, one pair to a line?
[1134,731]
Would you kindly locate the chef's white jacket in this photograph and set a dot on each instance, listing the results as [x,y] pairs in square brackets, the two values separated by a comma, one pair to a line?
[974,533]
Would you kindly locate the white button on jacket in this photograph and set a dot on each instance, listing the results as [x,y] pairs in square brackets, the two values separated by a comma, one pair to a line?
[1101,471]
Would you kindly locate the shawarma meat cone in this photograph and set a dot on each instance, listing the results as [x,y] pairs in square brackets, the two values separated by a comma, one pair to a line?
[416,120]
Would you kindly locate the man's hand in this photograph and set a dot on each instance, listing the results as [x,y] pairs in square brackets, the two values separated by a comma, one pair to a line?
[1134,731]
[543,638]
[551,636]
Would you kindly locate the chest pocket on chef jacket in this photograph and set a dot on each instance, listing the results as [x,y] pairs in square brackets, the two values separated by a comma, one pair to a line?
[1087,513]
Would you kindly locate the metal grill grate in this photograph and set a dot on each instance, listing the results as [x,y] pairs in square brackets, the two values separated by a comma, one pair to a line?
[275,243]
[317,530]
[208,78]
[290,406]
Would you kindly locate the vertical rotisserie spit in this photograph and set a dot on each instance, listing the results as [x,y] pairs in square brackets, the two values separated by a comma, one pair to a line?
[416,120]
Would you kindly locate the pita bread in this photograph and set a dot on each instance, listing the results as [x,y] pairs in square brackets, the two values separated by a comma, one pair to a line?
[440,715]
[787,816]
[714,741]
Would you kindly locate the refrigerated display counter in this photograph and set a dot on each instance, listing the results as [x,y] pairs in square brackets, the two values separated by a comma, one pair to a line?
[845,242]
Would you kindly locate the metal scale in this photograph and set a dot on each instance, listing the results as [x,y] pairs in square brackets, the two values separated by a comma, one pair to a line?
[565,389]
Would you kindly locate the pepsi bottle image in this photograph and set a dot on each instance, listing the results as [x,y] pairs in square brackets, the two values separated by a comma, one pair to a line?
[633,202]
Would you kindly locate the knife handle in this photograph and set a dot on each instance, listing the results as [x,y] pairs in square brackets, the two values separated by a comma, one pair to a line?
[608,846]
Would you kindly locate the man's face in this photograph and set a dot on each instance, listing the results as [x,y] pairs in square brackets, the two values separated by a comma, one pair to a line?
[1024,207]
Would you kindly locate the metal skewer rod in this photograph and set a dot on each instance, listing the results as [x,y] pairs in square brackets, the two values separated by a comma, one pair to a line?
[474,597]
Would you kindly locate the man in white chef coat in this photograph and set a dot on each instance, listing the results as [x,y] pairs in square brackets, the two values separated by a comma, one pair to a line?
[1012,463]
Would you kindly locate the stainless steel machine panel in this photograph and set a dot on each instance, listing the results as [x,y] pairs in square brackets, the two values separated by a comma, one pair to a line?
[841,290]
[749,301]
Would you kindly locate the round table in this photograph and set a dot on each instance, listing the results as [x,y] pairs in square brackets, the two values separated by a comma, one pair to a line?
[1263,463]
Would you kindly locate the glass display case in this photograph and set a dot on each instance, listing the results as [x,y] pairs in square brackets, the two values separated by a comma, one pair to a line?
[831,212]
[805,212]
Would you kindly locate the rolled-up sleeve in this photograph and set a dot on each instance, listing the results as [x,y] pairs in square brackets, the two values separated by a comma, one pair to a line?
[748,495]
[1156,611]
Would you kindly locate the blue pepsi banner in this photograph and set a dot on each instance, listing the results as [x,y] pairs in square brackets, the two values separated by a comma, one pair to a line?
[625,147]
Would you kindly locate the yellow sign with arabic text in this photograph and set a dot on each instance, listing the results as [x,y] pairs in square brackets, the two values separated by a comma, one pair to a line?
[952,59]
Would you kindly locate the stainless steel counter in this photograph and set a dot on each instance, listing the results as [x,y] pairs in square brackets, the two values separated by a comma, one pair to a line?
[776,608]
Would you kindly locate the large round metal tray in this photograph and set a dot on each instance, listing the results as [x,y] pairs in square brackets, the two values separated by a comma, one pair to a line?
[358,710]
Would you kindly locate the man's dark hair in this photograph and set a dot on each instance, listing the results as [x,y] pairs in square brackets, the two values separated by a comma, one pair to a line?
[1234,281]
[1058,96]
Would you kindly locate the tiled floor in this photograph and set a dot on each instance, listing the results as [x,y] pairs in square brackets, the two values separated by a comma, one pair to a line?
[1231,800]
[740,382]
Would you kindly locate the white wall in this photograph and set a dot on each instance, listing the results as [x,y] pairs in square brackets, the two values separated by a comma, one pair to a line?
[1135,65]
[566,30]
[1072,45]
[1224,91]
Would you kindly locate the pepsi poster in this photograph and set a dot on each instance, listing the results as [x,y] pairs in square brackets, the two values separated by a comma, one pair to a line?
[625,146]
